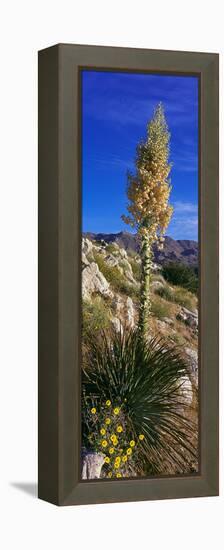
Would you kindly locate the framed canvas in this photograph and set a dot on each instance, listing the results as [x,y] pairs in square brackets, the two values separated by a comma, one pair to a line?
[128,274]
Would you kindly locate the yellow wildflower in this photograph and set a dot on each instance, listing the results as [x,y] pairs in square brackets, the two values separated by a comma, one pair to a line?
[141,437]
[116,465]
[108,403]
[111,450]
[104,443]
[109,474]
[102,431]
[116,410]
[93,410]
[119,429]
[107,421]
[107,460]
[113,437]
[132,443]
[118,474]
[129,451]
[124,458]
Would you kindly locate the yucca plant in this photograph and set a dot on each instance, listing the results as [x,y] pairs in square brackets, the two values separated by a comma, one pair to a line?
[146,380]
[149,211]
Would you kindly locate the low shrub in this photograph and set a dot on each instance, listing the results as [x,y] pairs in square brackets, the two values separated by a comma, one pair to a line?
[181,275]
[177,295]
[95,316]
[184,298]
[165,292]
[111,249]
[160,308]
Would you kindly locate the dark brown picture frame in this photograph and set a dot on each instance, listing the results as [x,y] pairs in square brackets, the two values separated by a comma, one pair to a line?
[59,404]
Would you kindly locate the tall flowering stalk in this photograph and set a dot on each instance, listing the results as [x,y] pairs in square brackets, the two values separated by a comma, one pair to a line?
[148,194]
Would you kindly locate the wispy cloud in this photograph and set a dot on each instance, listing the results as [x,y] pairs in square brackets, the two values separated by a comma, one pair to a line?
[186,161]
[185,207]
[110,162]
[184,223]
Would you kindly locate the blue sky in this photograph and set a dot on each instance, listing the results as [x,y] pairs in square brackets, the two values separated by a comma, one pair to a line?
[116,107]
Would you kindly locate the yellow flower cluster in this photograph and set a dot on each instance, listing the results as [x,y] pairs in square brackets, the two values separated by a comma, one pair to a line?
[111,439]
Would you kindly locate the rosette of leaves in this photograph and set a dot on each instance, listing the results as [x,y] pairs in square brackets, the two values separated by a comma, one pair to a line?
[146,381]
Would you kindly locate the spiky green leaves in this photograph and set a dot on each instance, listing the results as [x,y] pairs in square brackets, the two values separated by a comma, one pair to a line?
[146,381]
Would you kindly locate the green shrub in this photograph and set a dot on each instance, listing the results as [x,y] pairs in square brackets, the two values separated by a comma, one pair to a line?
[128,289]
[184,298]
[160,308]
[95,316]
[165,292]
[181,275]
[178,339]
[177,295]
[111,249]
[140,382]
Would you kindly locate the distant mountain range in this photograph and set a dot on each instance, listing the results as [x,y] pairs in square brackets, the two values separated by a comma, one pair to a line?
[184,251]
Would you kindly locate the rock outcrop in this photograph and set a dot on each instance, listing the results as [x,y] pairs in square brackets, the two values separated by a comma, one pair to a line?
[92,465]
[93,281]
[188,317]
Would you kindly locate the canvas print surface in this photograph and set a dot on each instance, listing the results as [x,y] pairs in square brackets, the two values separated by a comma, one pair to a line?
[140,277]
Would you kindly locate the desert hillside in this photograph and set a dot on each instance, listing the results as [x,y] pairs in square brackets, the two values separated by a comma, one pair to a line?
[110,287]
[184,251]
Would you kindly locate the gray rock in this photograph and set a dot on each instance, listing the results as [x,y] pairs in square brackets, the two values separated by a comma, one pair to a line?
[93,281]
[85,262]
[87,246]
[123,253]
[188,317]
[117,325]
[111,260]
[161,324]
[168,321]
[186,389]
[127,270]
[192,355]
[125,313]
[92,465]
[130,313]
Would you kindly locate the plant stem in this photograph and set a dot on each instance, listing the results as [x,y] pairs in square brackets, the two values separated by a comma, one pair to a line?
[145,302]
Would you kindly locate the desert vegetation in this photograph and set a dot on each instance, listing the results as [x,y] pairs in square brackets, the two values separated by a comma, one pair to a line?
[139,337]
